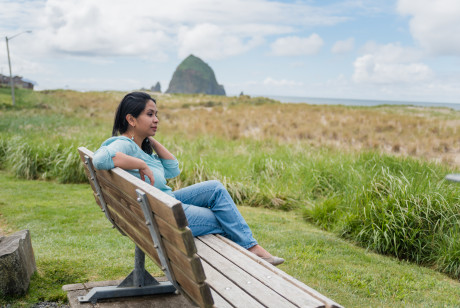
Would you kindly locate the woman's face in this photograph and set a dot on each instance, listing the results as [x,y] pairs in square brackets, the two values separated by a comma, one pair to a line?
[146,124]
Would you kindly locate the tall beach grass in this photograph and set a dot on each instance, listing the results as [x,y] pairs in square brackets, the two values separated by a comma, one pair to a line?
[399,207]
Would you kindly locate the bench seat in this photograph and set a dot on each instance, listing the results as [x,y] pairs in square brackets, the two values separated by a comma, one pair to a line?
[238,277]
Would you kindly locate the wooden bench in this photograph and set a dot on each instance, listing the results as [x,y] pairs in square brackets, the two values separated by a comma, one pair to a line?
[210,271]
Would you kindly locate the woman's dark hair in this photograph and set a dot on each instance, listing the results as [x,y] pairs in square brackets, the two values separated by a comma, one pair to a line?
[133,104]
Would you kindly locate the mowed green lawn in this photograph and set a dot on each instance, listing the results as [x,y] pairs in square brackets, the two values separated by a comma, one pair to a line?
[73,242]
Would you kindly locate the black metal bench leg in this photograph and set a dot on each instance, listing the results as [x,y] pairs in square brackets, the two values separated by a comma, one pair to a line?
[139,282]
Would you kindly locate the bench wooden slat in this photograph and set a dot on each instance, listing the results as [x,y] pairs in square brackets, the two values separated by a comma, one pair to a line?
[191,265]
[182,239]
[266,275]
[227,289]
[170,212]
[196,290]
[235,272]
[127,200]
[294,282]
[219,301]
[83,151]
[142,241]
[97,199]
[199,292]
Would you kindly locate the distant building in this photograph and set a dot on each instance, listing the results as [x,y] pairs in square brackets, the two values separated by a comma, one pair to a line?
[18,82]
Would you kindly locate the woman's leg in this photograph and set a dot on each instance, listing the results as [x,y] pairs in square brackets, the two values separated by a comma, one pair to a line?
[210,197]
[202,220]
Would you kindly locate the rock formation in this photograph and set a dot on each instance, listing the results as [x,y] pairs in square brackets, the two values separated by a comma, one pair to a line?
[156,87]
[194,76]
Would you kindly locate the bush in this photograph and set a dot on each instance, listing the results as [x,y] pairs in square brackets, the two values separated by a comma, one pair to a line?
[40,161]
[403,208]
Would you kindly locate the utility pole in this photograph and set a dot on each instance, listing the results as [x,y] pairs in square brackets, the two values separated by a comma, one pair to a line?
[11,74]
[9,62]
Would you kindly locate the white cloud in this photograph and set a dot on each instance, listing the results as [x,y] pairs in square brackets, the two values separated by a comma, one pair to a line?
[390,64]
[155,29]
[297,46]
[213,42]
[343,46]
[281,83]
[434,24]
[393,52]
[100,28]
[270,82]
[18,15]
[368,69]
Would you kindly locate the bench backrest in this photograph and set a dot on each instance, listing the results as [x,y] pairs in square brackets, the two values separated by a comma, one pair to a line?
[115,192]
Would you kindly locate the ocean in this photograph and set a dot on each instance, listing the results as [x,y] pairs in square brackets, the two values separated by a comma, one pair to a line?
[356,102]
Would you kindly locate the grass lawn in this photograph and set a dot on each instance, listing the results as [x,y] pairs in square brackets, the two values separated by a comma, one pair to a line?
[73,242]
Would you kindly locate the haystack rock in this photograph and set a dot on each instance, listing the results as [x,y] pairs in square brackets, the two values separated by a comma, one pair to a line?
[194,76]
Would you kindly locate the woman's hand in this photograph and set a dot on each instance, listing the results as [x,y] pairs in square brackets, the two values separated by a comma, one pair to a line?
[161,151]
[147,172]
[129,162]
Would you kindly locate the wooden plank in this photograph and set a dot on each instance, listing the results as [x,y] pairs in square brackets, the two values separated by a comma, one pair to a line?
[83,151]
[178,247]
[141,240]
[261,292]
[191,265]
[182,239]
[199,292]
[255,270]
[161,204]
[96,198]
[265,275]
[219,301]
[227,289]
[122,197]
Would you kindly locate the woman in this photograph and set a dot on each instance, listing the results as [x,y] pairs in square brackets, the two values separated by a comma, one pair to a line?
[208,206]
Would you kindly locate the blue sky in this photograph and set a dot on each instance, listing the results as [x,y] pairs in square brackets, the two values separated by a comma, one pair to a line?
[361,49]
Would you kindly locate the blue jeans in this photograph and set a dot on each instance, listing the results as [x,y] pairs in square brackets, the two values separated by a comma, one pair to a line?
[209,209]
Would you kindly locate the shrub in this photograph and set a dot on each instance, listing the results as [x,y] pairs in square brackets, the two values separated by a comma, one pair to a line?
[40,161]
[403,208]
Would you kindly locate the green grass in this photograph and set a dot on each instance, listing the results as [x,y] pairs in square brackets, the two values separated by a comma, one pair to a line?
[73,242]
[395,206]
[72,239]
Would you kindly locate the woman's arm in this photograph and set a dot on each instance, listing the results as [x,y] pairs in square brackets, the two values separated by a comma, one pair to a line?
[161,151]
[129,162]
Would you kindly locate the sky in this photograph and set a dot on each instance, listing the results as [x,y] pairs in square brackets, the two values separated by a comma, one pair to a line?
[404,50]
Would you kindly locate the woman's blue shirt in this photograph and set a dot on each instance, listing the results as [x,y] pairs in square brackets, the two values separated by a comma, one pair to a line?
[162,168]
